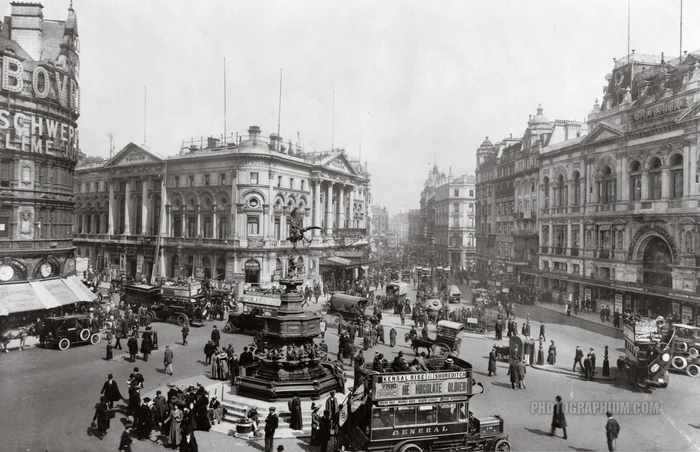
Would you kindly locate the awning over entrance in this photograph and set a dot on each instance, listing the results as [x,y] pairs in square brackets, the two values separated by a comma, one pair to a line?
[41,295]
[334,261]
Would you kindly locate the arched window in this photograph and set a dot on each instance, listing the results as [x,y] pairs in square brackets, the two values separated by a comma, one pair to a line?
[635,181]
[221,269]
[655,178]
[546,193]
[189,266]
[607,187]
[577,189]
[562,191]
[206,264]
[676,188]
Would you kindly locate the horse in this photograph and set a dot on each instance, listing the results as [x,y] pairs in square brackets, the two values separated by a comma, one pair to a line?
[418,343]
[20,333]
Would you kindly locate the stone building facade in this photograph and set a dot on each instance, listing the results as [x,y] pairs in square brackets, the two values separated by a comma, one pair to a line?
[455,238]
[619,207]
[221,211]
[39,109]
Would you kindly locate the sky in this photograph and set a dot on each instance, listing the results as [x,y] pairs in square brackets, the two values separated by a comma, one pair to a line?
[415,81]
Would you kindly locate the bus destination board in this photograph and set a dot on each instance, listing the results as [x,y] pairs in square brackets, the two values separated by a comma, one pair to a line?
[422,385]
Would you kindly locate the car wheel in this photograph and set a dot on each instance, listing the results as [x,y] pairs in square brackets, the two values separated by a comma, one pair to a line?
[693,370]
[63,344]
[95,339]
[693,352]
[502,445]
[258,341]
[85,334]
[679,362]
[182,320]
[228,328]
[410,448]
[441,349]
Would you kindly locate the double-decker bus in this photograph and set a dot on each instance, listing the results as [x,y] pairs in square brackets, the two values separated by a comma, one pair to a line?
[418,411]
[648,352]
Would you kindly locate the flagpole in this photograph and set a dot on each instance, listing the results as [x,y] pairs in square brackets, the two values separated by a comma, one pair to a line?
[680,51]
[224,103]
[333,123]
[279,108]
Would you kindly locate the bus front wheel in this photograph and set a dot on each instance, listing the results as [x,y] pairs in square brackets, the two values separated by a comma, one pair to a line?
[410,448]
[502,445]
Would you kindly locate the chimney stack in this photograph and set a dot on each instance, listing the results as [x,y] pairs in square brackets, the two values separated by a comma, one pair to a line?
[254,132]
[25,27]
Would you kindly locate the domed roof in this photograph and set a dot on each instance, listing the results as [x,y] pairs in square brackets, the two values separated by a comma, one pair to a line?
[486,146]
[539,118]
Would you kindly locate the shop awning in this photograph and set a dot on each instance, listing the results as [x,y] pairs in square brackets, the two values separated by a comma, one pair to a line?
[334,261]
[41,295]
[21,297]
[80,289]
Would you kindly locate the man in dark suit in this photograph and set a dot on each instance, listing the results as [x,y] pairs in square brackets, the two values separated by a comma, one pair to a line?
[271,424]
[577,358]
[587,368]
[145,419]
[542,336]
[110,391]
[215,336]
[133,345]
[558,418]
[612,429]
[521,374]
[592,355]
[513,373]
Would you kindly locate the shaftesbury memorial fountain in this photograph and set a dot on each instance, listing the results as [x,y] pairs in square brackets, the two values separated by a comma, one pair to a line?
[282,373]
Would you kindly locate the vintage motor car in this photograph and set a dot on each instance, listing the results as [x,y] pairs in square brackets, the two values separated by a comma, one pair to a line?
[191,310]
[64,331]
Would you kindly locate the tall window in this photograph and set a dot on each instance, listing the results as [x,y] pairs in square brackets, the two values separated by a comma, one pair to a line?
[607,187]
[253,226]
[635,181]
[577,189]
[206,179]
[278,231]
[191,181]
[176,179]
[546,192]
[254,178]
[456,207]
[222,230]
[676,176]
[222,178]
[655,178]
[291,182]
[207,226]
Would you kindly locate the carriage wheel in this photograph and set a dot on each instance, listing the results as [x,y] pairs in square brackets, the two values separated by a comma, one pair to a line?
[95,339]
[182,320]
[64,343]
[440,349]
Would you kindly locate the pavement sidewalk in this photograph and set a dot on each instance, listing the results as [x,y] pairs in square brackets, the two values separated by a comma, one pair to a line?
[593,317]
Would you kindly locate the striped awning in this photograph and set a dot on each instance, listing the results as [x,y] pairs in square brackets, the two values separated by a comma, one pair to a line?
[43,294]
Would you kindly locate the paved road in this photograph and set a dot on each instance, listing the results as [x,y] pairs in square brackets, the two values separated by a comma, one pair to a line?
[48,395]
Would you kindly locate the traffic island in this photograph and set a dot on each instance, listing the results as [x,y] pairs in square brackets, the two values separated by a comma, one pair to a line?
[564,371]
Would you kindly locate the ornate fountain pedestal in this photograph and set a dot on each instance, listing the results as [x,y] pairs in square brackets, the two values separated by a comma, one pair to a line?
[279,377]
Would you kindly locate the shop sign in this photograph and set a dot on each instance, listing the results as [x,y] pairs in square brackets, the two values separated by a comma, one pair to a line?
[618,302]
[255,242]
[660,109]
[237,277]
[139,263]
[685,296]
[687,314]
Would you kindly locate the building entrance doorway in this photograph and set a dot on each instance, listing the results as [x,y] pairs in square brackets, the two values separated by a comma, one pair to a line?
[252,272]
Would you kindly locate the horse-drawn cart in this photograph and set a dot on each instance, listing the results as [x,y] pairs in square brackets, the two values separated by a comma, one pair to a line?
[448,340]
[347,308]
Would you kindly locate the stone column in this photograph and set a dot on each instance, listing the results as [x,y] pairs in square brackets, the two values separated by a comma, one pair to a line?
[110,212]
[645,186]
[214,226]
[351,202]
[690,164]
[581,238]
[167,221]
[184,222]
[317,207]
[568,236]
[270,218]
[550,242]
[164,211]
[83,226]
[233,230]
[144,207]
[265,222]
[329,209]
[623,181]
[341,206]
[199,222]
[127,209]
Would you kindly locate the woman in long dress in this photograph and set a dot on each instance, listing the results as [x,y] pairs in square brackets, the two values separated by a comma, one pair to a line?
[215,365]
[223,365]
[175,420]
[552,354]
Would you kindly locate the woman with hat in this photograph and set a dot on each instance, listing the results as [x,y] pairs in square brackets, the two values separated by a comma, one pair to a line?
[552,354]
[175,421]
[315,424]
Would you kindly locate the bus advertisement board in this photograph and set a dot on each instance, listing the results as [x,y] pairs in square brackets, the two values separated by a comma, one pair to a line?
[429,384]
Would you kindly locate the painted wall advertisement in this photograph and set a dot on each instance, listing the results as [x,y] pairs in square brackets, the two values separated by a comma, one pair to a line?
[687,315]
[676,308]
[618,302]
[443,384]
[139,263]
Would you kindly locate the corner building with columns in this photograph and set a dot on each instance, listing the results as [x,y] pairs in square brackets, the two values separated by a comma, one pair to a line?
[222,211]
[619,210]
